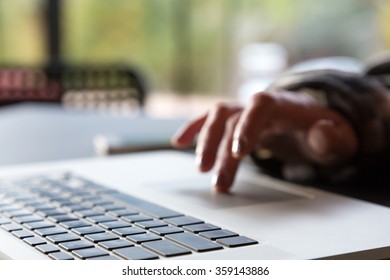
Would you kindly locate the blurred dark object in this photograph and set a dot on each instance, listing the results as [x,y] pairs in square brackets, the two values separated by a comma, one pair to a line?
[75,86]
[102,87]
[379,66]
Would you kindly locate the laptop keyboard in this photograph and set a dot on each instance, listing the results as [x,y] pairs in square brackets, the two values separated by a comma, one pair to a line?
[68,217]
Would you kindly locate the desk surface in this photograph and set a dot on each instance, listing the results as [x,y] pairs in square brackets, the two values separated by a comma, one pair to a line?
[42,132]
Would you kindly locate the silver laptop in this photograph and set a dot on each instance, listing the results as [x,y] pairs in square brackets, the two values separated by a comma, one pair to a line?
[155,205]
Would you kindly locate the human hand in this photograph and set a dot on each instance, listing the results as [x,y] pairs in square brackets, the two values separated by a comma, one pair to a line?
[292,126]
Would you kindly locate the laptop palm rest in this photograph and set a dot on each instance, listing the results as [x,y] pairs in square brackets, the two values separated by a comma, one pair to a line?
[197,191]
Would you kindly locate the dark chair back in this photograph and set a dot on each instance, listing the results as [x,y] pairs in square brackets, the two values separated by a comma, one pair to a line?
[88,86]
[77,86]
[20,84]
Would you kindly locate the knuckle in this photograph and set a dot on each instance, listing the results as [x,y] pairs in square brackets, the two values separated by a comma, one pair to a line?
[220,109]
[263,99]
[231,123]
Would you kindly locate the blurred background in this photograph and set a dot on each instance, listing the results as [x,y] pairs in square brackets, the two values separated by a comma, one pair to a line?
[185,48]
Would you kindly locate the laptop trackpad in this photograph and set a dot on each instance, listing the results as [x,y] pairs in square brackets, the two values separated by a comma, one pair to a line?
[244,193]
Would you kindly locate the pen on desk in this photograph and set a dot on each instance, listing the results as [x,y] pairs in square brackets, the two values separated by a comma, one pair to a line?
[117,144]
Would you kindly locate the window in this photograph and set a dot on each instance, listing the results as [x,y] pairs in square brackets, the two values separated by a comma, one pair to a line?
[192,45]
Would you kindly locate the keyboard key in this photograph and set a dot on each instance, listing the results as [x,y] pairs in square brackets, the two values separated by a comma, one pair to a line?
[34,241]
[27,199]
[99,237]
[145,237]
[88,213]
[63,218]
[37,204]
[75,192]
[65,237]
[8,207]
[114,224]
[75,245]
[128,231]
[22,233]
[200,227]
[61,256]
[62,201]
[50,212]
[40,206]
[50,231]
[16,213]
[136,218]
[11,227]
[151,224]
[194,242]
[75,207]
[237,241]
[83,197]
[183,221]
[75,224]
[90,253]
[122,212]
[99,201]
[97,188]
[47,248]
[166,248]
[166,230]
[4,221]
[146,207]
[100,219]
[109,207]
[88,230]
[27,219]
[215,234]
[115,244]
[105,258]
[135,253]
[38,225]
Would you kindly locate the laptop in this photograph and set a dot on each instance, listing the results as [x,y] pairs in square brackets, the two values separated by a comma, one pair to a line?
[155,205]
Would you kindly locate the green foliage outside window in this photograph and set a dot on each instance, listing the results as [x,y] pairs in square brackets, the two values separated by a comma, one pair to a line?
[192,45]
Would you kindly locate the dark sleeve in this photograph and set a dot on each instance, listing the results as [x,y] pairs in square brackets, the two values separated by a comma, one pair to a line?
[364,100]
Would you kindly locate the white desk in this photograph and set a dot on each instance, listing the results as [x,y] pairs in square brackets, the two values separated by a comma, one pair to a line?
[42,132]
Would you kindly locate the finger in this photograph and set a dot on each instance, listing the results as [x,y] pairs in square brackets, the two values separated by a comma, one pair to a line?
[252,121]
[332,142]
[227,165]
[211,135]
[186,135]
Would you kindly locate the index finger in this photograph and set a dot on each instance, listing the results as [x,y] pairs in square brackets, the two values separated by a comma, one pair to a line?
[185,136]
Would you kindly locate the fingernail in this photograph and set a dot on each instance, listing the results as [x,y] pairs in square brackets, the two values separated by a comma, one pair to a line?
[198,160]
[238,146]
